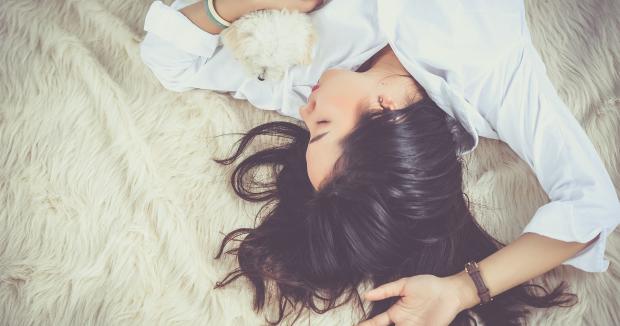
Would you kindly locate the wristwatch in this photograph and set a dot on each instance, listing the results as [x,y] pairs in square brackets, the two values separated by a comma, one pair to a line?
[474,272]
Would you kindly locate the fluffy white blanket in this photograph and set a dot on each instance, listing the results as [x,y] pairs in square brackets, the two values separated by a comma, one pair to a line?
[111,208]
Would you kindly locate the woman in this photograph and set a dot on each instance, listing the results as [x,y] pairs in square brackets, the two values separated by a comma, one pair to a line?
[371,188]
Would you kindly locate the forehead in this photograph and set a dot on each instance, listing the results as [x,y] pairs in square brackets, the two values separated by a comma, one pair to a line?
[321,157]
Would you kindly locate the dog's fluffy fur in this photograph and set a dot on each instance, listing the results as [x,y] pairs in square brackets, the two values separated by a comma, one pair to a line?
[269,42]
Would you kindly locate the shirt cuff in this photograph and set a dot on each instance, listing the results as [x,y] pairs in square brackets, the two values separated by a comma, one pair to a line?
[172,26]
[557,220]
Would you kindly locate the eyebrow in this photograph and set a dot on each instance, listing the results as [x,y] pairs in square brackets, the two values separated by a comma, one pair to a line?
[317,137]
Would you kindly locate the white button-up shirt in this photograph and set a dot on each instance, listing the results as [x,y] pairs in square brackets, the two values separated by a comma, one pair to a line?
[475,59]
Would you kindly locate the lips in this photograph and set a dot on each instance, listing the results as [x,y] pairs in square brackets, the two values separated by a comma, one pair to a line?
[315,87]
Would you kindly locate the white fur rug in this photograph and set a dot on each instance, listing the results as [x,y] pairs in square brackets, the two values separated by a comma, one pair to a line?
[111,208]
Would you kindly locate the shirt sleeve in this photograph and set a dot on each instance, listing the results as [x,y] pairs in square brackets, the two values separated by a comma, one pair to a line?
[183,56]
[533,120]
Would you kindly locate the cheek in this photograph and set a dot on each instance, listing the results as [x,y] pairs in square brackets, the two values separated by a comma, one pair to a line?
[340,103]
[343,88]
[346,95]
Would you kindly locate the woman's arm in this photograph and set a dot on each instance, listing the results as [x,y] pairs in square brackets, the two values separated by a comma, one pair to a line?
[230,10]
[183,56]
[182,47]
[525,258]
[431,300]
[515,95]
[532,119]
[583,210]
[519,101]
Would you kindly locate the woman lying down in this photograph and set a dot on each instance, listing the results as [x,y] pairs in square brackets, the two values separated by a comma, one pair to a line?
[371,187]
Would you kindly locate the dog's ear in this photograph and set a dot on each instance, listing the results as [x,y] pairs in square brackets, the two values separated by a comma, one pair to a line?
[312,38]
[230,37]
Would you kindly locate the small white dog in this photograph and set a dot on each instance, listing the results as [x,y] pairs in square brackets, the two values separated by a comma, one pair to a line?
[268,42]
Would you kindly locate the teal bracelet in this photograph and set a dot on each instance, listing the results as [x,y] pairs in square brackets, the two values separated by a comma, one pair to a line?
[213,16]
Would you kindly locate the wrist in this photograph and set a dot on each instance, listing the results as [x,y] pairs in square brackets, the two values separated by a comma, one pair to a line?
[466,290]
[231,10]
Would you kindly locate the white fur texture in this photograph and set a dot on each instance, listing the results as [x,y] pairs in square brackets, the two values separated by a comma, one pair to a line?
[268,42]
[111,208]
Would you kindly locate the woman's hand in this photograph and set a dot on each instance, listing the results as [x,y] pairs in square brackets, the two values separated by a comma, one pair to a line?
[425,300]
[300,5]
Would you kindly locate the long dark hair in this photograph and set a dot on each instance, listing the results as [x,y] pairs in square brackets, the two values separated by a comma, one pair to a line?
[394,209]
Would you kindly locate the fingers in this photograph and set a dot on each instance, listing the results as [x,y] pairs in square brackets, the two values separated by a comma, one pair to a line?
[386,290]
[381,319]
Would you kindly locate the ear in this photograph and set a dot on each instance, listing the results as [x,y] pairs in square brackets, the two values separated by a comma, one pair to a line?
[387,102]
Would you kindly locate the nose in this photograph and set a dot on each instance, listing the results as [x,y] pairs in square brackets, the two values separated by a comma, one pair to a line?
[306,109]
[302,111]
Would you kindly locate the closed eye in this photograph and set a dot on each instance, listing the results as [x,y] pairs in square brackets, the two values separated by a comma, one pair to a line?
[322,121]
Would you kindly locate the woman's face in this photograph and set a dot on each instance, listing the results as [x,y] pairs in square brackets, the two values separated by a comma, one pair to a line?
[334,108]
